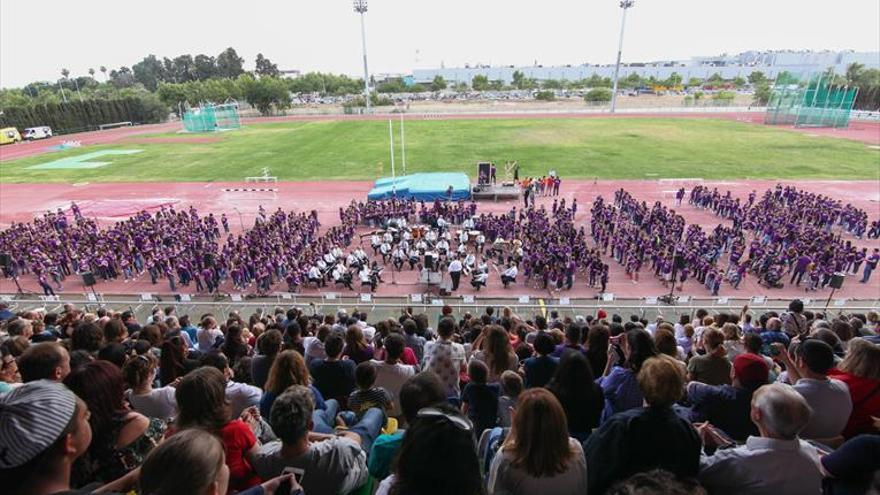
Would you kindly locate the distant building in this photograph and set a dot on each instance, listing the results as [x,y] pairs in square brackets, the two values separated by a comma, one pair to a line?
[290,73]
[771,63]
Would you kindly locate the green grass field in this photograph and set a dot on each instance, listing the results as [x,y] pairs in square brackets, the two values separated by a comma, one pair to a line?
[622,148]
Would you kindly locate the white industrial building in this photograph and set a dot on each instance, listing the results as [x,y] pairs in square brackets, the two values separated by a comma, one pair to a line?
[770,63]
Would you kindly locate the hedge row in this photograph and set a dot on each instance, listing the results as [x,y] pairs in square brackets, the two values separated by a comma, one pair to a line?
[87,114]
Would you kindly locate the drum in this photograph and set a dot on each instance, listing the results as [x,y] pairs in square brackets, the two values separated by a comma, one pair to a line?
[418,232]
[472,235]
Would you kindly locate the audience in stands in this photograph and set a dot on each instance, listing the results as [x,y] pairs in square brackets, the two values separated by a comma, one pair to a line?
[776,461]
[721,408]
[648,437]
[538,455]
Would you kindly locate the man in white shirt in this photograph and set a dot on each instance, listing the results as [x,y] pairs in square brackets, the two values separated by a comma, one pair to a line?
[375,242]
[315,276]
[777,462]
[509,275]
[391,374]
[369,331]
[480,280]
[445,357]
[385,250]
[829,398]
[455,272]
[240,395]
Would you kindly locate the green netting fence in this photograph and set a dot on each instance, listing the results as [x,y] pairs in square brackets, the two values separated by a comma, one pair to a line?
[813,102]
[212,118]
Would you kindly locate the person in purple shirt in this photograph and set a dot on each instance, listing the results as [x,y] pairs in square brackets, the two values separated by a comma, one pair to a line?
[870,265]
[618,383]
[572,342]
[800,268]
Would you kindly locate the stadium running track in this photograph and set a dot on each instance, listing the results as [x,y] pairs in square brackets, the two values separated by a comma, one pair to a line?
[112,202]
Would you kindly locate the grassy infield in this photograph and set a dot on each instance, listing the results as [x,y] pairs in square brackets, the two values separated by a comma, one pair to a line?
[585,148]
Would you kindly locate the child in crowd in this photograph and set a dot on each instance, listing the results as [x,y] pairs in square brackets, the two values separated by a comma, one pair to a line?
[511,387]
[366,395]
[479,400]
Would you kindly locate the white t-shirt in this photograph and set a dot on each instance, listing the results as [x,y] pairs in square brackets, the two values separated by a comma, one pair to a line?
[391,377]
[314,348]
[207,337]
[242,396]
[158,403]
[445,359]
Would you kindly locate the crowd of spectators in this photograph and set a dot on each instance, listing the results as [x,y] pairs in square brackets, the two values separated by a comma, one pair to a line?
[492,403]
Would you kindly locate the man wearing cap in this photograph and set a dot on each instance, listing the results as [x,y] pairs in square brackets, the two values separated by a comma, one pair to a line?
[727,406]
[37,449]
[829,398]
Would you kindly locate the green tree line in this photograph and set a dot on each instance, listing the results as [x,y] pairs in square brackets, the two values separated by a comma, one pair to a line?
[75,116]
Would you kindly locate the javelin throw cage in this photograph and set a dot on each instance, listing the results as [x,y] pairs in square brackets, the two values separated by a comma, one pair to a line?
[212,118]
[812,101]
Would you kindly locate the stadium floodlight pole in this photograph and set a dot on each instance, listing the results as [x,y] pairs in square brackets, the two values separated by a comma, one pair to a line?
[391,146]
[403,142]
[360,6]
[624,4]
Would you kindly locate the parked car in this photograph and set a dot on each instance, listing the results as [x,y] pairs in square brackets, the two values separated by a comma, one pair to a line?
[41,132]
[9,135]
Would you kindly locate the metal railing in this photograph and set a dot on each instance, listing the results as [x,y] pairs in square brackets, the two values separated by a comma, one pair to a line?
[383,307]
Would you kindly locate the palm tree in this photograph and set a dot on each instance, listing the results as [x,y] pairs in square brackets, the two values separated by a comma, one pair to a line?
[853,71]
[92,72]
[64,74]
[104,71]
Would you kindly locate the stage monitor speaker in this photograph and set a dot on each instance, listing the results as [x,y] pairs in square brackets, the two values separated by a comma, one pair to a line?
[837,280]
[5,260]
[88,279]
[678,262]
[429,263]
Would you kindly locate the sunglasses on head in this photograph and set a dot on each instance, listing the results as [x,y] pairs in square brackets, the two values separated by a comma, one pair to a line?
[432,412]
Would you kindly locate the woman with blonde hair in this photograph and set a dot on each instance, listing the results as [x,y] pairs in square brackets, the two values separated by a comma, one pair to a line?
[860,370]
[497,353]
[732,341]
[288,369]
[538,456]
[648,437]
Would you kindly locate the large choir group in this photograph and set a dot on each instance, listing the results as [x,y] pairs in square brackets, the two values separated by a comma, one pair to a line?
[785,236]
[786,232]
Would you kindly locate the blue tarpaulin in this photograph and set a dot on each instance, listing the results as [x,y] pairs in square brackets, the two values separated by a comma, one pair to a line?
[423,187]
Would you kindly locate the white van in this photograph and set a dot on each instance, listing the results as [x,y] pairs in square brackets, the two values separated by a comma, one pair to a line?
[41,132]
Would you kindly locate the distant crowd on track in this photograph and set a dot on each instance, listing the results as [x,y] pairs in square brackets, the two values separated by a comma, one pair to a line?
[785,236]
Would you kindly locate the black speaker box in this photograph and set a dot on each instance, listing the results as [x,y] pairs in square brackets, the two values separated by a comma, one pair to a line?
[837,280]
[88,279]
[678,261]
